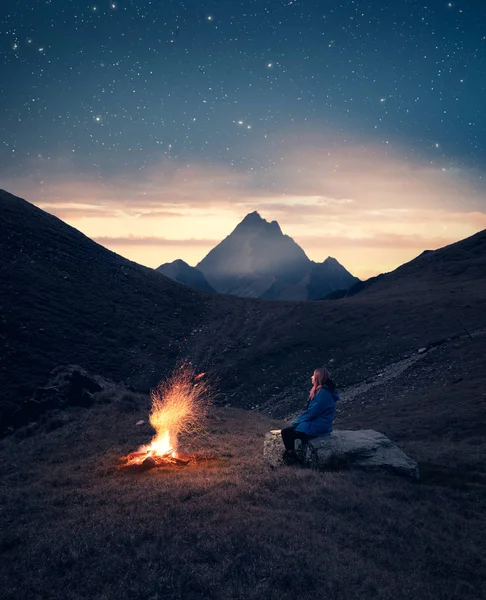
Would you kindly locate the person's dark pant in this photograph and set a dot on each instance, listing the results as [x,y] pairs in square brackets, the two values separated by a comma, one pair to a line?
[289,435]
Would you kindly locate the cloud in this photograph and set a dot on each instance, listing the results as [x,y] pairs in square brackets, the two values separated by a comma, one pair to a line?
[373,179]
[311,170]
[356,198]
[161,214]
[154,241]
[167,186]
[73,212]
[386,241]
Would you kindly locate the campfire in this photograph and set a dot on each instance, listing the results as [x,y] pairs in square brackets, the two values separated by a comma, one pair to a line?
[178,406]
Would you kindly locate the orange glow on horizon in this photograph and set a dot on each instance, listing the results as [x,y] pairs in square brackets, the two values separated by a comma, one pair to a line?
[369,208]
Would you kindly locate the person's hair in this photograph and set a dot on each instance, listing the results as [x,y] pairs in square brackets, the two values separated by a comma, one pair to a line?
[321,376]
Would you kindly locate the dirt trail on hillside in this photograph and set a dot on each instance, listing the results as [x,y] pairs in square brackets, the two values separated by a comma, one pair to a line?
[395,369]
[386,375]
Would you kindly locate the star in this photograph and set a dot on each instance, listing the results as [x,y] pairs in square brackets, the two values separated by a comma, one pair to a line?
[140,86]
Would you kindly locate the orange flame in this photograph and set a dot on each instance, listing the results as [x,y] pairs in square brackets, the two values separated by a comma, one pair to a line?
[178,404]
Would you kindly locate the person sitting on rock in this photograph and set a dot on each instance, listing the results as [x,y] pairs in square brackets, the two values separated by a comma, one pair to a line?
[317,420]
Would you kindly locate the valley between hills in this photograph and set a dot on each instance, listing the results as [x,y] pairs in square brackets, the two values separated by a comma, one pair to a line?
[407,352]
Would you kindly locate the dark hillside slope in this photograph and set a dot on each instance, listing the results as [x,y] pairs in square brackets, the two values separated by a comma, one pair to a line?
[453,265]
[435,410]
[465,259]
[65,299]
[267,349]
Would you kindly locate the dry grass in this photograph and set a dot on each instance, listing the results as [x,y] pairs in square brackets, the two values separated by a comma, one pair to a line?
[72,527]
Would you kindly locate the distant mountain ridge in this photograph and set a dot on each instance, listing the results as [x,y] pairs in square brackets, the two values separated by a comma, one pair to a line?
[183,273]
[257,260]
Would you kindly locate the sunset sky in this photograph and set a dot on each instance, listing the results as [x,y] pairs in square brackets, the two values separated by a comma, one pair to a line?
[155,127]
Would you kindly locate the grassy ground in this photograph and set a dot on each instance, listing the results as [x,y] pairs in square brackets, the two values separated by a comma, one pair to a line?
[72,527]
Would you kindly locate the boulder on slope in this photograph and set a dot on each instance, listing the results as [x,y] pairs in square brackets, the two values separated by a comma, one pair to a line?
[362,449]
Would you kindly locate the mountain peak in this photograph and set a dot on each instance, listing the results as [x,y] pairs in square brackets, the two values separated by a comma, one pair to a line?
[275,227]
[179,263]
[252,219]
[255,222]
[253,216]
[180,271]
[253,257]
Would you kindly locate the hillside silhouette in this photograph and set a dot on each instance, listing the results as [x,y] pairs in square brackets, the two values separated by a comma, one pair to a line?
[463,261]
[67,300]
[434,298]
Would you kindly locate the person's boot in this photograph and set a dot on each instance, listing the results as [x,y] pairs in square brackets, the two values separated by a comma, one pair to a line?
[290,457]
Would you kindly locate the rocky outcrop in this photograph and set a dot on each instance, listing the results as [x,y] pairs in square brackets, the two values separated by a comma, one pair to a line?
[343,449]
[68,385]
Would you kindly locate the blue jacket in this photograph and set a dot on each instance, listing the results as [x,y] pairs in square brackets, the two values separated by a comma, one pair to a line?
[318,418]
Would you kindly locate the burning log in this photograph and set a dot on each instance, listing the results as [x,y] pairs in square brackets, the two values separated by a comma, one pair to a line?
[178,404]
[138,462]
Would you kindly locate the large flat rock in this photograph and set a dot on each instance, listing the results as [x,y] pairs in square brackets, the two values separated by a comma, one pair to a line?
[363,449]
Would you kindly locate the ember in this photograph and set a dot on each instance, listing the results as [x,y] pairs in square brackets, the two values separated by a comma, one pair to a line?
[178,405]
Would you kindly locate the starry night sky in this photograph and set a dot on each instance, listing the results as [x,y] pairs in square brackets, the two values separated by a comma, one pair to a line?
[155,126]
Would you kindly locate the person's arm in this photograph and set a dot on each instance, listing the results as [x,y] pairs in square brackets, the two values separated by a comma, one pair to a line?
[319,403]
